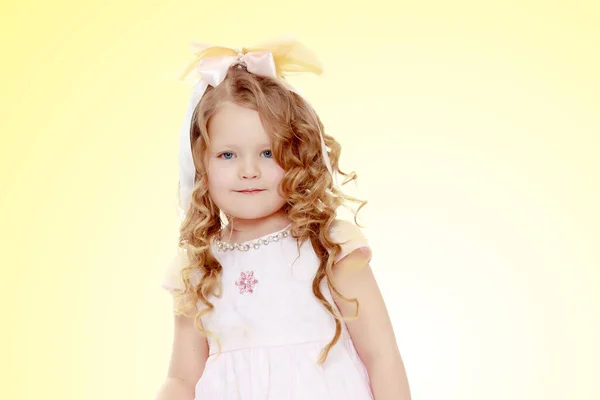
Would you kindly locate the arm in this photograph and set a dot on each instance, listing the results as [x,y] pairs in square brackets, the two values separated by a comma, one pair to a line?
[189,354]
[372,331]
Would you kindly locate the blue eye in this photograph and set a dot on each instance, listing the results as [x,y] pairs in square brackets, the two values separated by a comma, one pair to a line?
[268,153]
[227,155]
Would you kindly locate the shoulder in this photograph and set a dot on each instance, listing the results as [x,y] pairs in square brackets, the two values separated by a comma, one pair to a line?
[350,237]
[172,278]
[346,230]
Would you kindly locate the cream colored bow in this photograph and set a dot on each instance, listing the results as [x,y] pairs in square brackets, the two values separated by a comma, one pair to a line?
[275,59]
[214,69]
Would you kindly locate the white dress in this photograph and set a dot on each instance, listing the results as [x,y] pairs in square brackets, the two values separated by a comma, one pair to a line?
[272,327]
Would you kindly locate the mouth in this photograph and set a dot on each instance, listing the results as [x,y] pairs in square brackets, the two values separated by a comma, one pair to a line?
[250,191]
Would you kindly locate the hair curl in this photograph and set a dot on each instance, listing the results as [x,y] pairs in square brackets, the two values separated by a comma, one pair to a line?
[312,199]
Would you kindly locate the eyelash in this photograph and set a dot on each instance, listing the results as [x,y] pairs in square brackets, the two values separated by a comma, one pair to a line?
[229,152]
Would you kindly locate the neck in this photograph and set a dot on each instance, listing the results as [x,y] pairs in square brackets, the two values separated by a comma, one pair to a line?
[242,230]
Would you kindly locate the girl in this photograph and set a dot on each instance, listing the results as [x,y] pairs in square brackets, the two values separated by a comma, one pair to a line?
[266,276]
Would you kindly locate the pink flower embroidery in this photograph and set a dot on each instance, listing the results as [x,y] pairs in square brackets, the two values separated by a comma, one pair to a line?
[246,282]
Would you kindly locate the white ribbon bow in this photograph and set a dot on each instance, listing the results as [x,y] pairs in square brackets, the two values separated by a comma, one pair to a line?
[212,72]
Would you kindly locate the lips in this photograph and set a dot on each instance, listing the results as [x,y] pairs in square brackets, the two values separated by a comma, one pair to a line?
[250,191]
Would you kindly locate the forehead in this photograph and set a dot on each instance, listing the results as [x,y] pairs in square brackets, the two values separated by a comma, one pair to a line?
[234,124]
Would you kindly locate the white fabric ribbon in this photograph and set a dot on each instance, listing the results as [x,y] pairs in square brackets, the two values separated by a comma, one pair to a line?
[212,72]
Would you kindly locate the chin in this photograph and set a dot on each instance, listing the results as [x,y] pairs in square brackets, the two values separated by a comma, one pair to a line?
[251,214]
[252,210]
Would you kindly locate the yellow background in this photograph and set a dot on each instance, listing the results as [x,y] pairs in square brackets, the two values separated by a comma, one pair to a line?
[474,127]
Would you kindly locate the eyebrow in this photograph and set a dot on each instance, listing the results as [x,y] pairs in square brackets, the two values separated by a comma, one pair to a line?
[237,147]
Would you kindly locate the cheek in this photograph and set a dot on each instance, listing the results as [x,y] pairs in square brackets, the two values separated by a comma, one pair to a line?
[275,175]
[218,189]
[218,178]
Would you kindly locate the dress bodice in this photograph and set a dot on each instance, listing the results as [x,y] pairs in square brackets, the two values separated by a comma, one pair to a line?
[267,316]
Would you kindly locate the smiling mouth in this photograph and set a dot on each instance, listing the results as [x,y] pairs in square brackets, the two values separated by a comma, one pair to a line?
[250,191]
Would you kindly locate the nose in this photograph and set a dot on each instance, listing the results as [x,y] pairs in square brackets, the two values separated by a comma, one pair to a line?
[249,170]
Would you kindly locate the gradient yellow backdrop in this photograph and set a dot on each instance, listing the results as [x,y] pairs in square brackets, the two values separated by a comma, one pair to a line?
[475,130]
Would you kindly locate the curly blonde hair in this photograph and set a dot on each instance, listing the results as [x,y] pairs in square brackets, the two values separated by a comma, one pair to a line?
[312,199]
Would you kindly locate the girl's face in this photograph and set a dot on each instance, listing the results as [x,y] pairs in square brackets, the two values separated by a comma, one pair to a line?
[243,176]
